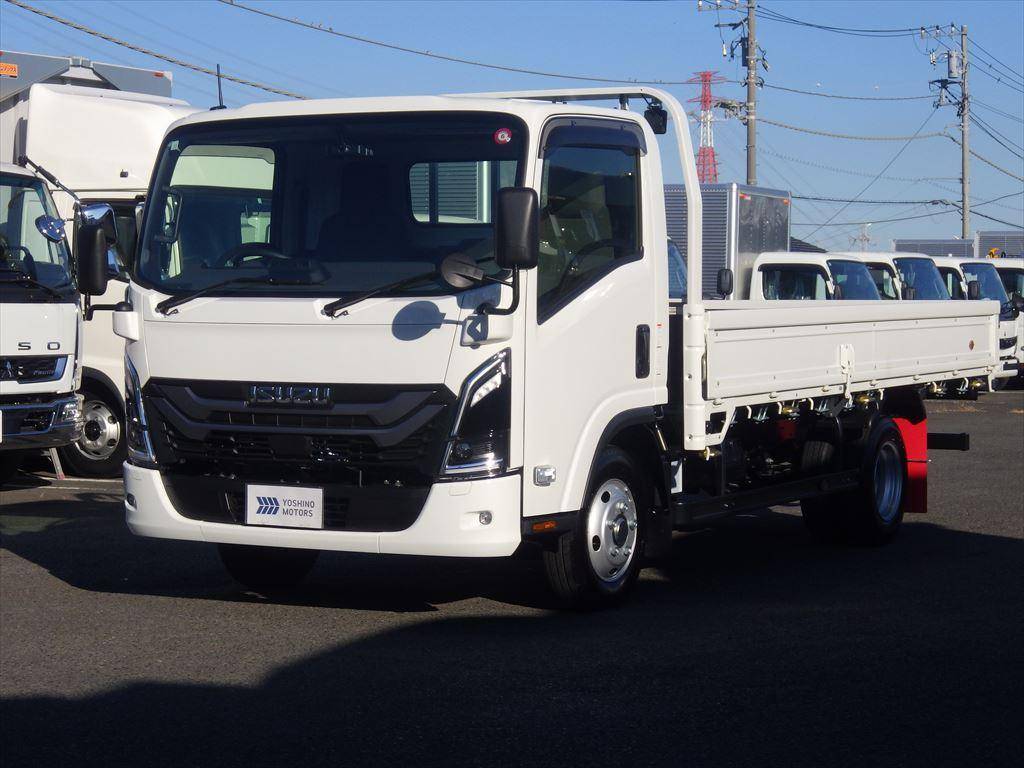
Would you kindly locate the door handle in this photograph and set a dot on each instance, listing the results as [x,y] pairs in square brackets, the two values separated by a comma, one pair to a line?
[643,351]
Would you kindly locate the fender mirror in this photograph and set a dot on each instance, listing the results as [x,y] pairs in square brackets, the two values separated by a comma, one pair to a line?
[724,284]
[973,290]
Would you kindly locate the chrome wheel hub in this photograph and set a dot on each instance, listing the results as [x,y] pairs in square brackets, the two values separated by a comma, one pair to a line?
[612,530]
[101,431]
[888,480]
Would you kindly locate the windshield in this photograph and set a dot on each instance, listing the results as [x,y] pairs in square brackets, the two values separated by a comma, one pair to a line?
[793,282]
[853,280]
[884,280]
[347,203]
[923,276]
[989,284]
[1013,280]
[23,249]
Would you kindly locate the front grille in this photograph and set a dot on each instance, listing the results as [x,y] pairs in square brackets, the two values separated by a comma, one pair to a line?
[29,369]
[365,434]
[1008,343]
[346,508]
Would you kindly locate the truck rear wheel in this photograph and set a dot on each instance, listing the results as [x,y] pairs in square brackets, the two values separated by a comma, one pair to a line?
[261,568]
[872,513]
[599,560]
[101,450]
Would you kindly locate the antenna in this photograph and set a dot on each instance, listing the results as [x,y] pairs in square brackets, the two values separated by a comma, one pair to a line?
[220,93]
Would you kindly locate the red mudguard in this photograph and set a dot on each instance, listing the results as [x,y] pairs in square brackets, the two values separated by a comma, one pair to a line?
[915,442]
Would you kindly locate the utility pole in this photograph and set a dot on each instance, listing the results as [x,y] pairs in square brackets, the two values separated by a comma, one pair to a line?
[751,57]
[965,152]
[956,74]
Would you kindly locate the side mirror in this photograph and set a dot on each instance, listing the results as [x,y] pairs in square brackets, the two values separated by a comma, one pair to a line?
[909,293]
[973,290]
[91,257]
[140,212]
[1018,302]
[51,228]
[460,272]
[516,228]
[837,292]
[101,215]
[657,118]
[724,282]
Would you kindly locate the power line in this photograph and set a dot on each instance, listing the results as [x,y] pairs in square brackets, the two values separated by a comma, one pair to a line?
[840,96]
[935,201]
[1001,113]
[139,49]
[985,160]
[851,172]
[908,218]
[985,51]
[886,168]
[833,135]
[439,56]
[859,32]
[998,137]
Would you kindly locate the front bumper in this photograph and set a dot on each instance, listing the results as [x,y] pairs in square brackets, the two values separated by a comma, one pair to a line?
[41,425]
[448,525]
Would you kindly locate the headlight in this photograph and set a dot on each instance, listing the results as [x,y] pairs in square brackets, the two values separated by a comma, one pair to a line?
[479,441]
[70,412]
[140,447]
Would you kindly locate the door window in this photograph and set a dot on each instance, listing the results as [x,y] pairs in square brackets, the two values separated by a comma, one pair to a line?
[589,222]
[793,282]
[952,279]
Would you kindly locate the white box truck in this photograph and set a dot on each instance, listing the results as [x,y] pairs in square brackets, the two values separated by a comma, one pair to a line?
[96,127]
[318,358]
[40,323]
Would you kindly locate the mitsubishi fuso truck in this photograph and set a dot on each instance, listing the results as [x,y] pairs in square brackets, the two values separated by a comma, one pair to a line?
[40,323]
[443,326]
[95,128]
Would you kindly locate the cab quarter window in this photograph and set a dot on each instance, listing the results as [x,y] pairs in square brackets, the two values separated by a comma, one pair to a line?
[589,221]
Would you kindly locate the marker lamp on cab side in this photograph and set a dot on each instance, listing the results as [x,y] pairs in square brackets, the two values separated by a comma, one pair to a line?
[479,442]
[140,447]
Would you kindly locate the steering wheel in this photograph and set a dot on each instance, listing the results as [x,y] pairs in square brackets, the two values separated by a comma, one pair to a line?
[580,256]
[233,257]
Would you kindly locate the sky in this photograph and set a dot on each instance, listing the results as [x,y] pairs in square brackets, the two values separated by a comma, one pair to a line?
[629,41]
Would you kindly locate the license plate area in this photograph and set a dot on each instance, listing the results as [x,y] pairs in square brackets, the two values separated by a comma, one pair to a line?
[284,506]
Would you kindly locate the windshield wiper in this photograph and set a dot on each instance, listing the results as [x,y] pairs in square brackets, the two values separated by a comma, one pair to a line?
[28,281]
[332,309]
[167,306]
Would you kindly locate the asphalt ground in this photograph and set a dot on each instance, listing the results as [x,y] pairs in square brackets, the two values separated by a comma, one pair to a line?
[751,645]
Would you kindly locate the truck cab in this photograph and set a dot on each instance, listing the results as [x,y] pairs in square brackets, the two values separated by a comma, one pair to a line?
[789,276]
[978,279]
[40,323]
[1011,272]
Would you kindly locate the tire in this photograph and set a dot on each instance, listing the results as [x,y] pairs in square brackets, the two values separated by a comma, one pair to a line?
[10,463]
[260,568]
[872,513]
[102,449]
[613,518]
[876,508]
[824,516]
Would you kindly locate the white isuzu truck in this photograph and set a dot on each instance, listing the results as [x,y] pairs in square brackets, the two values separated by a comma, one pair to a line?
[40,323]
[332,346]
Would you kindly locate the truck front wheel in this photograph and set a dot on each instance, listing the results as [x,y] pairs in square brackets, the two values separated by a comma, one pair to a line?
[600,558]
[101,449]
[260,568]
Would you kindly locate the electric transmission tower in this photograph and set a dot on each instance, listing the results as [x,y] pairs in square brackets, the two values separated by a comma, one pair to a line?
[707,161]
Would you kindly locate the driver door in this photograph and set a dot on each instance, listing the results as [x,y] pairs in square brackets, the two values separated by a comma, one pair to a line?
[591,304]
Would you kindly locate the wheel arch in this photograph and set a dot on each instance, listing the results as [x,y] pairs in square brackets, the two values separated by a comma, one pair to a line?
[93,377]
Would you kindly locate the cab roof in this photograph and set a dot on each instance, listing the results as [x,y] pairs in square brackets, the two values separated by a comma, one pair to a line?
[16,170]
[527,109]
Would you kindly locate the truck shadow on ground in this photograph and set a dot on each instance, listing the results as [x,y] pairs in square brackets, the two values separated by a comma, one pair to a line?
[750,646]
